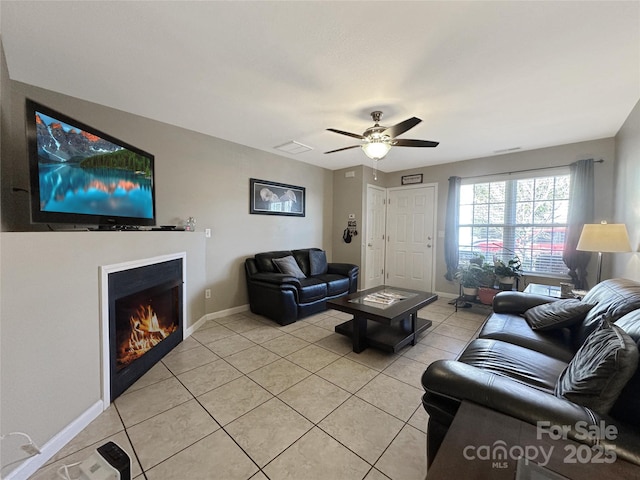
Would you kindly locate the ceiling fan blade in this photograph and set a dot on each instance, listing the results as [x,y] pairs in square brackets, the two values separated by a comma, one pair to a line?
[402,142]
[354,135]
[402,127]
[340,149]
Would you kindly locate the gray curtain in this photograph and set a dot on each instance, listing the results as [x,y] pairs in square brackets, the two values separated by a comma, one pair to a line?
[581,211]
[451,228]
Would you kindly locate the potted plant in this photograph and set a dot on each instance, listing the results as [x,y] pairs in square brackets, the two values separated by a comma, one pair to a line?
[469,277]
[488,276]
[487,289]
[507,272]
[477,259]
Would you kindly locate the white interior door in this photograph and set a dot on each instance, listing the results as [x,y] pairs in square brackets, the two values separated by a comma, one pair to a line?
[410,237]
[375,236]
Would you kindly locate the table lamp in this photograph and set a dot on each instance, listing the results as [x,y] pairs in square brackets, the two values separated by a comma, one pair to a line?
[603,238]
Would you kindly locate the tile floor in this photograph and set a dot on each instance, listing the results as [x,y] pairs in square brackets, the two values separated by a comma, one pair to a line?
[244,398]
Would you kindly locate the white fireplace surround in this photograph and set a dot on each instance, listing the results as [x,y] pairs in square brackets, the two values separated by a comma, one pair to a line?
[105,271]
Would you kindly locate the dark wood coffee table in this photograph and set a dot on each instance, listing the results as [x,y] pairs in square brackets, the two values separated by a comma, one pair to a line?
[387,327]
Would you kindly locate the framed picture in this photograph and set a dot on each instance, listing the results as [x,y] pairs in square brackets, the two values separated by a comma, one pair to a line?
[411,179]
[271,198]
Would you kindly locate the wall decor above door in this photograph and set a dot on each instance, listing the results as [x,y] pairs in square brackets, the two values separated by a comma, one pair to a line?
[411,179]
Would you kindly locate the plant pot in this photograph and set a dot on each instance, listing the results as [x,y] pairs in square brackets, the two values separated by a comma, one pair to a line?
[506,283]
[486,294]
[470,293]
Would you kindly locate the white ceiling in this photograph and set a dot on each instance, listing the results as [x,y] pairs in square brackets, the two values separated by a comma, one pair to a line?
[483,76]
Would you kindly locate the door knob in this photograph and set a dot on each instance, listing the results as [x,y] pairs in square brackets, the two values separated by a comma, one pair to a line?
[369,245]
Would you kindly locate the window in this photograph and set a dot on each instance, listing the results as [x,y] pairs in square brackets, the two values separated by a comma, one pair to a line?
[526,217]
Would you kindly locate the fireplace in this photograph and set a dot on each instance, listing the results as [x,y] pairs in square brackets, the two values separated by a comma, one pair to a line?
[144,312]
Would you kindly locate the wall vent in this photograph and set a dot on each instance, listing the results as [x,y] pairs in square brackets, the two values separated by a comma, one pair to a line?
[507,150]
[293,147]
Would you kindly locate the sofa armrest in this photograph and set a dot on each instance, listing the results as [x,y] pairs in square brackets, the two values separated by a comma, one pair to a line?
[346,269]
[349,270]
[274,295]
[448,382]
[518,302]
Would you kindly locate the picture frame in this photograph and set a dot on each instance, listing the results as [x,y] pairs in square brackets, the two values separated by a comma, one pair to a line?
[411,179]
[273,198]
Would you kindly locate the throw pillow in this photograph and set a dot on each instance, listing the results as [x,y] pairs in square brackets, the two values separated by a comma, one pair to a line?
[289,266]
[558,314]
[318,262]
[600,369]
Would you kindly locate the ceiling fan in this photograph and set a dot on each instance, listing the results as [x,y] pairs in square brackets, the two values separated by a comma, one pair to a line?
[378,140]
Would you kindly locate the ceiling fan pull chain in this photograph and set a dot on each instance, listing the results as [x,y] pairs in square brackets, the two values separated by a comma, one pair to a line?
[375,170]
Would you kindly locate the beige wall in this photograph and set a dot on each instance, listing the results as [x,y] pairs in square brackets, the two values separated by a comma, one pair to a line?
[4,104]
[348,195]
[350,198]
[4,80]
[627,198]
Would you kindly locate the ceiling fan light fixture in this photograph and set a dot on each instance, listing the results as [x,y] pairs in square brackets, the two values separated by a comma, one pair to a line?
[376,150]
[378,140]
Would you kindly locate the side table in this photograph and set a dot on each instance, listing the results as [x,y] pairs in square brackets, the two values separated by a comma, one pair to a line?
[540,289]
[466,303]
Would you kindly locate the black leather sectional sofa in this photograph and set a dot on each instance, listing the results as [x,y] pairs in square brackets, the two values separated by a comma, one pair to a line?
[308,282]
[515,370]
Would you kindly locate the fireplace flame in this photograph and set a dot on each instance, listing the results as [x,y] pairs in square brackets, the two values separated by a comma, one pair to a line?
[146,333]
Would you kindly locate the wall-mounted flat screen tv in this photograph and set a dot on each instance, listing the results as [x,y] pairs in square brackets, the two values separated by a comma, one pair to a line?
[82,176]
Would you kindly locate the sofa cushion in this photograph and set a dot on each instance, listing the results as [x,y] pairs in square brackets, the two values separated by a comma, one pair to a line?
[614,297]
[515,362]
[630,323]
[302,257]
[264,261]
[515,329]
[600,369]
[289,266]
[311,289]
[318,262]
[626,407]
[560,314]
[336,284]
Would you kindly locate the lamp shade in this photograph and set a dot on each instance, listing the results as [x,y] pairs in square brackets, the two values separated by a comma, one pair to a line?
[604,237]
[376,150]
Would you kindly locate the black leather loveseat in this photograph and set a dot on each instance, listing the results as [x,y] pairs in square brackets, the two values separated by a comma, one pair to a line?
[303,289]
[520,372]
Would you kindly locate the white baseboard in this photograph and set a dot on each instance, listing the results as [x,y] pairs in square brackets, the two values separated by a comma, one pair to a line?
[446,295]
[213,316]
[53,446]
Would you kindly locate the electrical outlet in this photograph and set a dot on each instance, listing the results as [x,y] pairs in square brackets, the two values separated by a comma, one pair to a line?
[30,448]
[207,293]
